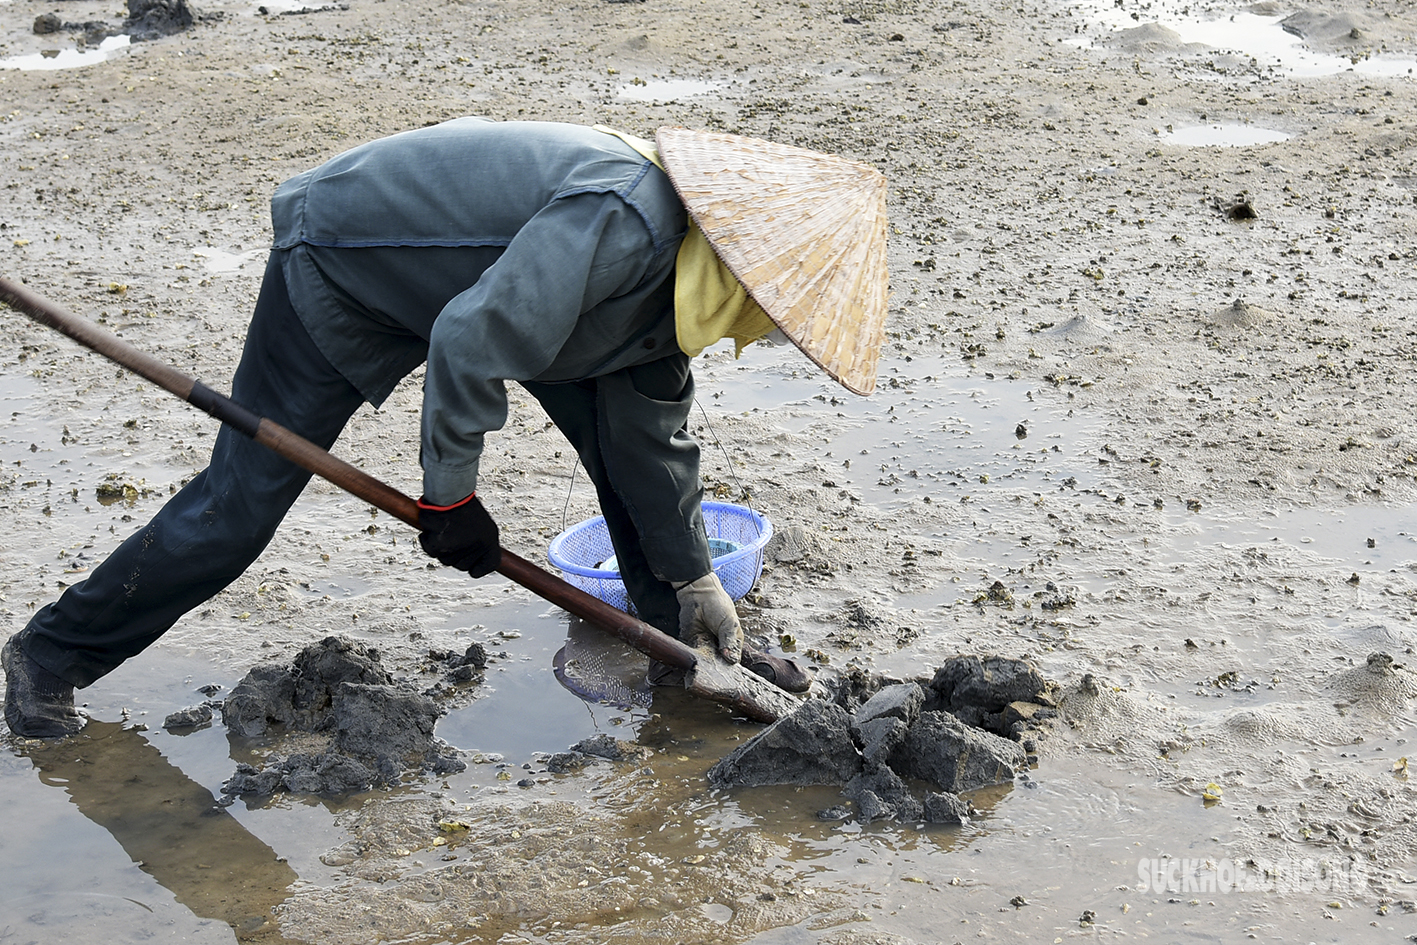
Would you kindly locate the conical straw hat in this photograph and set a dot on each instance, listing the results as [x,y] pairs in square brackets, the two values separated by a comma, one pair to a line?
[804,232]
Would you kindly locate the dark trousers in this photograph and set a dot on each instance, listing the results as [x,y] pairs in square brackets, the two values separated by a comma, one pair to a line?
[630,429]
[211,531]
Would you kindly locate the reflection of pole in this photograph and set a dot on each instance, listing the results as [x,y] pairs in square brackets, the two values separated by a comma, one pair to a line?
[599,668]
[171,826]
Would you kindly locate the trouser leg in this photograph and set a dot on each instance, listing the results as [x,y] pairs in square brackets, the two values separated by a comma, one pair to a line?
[642,416]
[211,531]
[629,430]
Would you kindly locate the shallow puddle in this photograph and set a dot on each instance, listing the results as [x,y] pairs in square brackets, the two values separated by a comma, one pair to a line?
[111,799]
[1225,136]
[1266,38]
[550,717]
[68,58]
[224,261]
[664,91]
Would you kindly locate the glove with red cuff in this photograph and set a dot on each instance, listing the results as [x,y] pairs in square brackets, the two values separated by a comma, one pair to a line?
[461,535]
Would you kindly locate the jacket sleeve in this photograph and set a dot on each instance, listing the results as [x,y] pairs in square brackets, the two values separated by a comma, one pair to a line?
[511,324]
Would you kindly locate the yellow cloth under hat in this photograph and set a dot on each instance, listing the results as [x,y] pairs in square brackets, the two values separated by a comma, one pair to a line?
[710,304]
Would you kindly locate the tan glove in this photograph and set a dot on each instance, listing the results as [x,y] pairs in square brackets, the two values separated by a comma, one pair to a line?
[705,609]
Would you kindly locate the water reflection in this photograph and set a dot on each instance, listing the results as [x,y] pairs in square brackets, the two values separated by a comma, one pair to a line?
[170,826]
[598,688]
[67,58]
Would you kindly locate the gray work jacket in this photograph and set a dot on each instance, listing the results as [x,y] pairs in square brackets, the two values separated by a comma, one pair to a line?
[497,251]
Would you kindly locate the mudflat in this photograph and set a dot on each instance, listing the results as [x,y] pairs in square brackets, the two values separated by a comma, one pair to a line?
[1145,418]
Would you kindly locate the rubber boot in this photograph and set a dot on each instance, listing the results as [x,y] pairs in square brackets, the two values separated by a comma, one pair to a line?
[38,704]
[784,673]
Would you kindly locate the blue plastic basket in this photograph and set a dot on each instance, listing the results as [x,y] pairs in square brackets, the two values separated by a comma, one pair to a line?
[737,536]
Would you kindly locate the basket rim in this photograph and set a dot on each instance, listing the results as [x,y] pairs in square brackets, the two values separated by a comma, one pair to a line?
[765,531]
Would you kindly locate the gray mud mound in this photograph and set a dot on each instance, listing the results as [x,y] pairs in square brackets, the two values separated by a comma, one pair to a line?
[945,752]
[1149,38]
[880,794]
[1379,686]
[324,773]
[1240,314]
[1083,329]
[376,727]
[92,32]
[191,719]
[791,544]
[989,683]
[975,723]
[458,668]
[1333,31]
[262,701]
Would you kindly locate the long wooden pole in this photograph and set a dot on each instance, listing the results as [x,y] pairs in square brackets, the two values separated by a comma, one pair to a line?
[710,678]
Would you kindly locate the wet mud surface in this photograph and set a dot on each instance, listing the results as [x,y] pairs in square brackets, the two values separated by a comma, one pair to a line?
[1163,451]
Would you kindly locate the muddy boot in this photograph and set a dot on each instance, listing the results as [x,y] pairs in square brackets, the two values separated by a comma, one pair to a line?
[783,673]
[38,704]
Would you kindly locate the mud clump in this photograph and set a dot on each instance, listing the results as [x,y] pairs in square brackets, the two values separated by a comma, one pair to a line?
[1004,696]
[324,773]
[941,749]
[146,20]
[879,793]
[188,720]
[262,701]
[94,31]
[816,744]
[454,667]
[595,748]
[154,19]
[301,696]
[976,722]
[377,721]
[1056,597]
[376,728]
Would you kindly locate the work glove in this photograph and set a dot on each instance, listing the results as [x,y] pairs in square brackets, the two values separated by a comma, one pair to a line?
[461,535]
[705,609]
